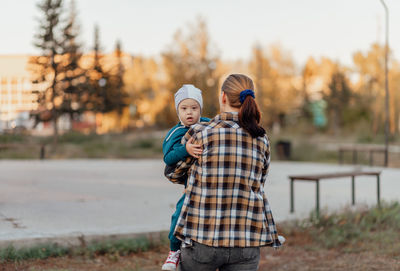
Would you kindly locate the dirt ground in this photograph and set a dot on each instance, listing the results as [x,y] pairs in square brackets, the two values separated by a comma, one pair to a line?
[292,257]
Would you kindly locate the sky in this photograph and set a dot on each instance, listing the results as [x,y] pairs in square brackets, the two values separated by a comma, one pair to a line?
[331,28]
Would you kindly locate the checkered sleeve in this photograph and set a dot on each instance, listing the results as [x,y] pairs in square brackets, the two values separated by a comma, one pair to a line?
[182,166]
[267,159]
[190,133]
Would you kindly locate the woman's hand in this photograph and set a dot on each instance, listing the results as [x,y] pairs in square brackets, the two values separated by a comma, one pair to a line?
[193,149]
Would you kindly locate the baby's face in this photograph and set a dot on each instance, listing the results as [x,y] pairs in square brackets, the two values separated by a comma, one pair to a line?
[189,112]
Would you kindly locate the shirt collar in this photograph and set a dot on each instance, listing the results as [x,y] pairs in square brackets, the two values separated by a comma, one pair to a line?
[228,116]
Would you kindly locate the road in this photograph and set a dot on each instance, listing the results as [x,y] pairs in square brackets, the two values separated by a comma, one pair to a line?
[63,198]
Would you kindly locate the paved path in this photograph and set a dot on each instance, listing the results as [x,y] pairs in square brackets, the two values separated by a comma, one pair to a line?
[47,199]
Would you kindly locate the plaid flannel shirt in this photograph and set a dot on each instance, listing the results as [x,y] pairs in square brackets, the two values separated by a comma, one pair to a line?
[225,204]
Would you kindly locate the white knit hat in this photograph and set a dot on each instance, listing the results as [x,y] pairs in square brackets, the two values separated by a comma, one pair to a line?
[188,92]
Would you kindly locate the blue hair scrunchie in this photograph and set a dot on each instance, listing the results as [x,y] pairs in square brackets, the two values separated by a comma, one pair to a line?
[246,93]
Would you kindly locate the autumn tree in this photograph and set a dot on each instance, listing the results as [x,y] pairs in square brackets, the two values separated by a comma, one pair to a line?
[191,59]
[338,99]
[308,74]
[48,67]
[143,83]
[394,84]
[120,99]
[319,82]
[273,71]
[371,77]
[74,78]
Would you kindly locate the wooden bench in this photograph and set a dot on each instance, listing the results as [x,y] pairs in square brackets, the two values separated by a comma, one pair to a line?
[318,177]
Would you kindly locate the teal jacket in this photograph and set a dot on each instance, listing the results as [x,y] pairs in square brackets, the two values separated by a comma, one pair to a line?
[173,150]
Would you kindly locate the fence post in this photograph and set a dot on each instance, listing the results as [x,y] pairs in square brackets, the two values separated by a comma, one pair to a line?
[42,152]
[353,192]
[291,195]
[317,198]
[378,189]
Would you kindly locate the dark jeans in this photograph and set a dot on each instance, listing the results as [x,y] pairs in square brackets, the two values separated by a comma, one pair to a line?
[200,257]
[174,242]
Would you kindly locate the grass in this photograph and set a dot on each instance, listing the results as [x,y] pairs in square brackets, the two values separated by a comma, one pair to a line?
[375,229]
[74,145]
[119,247]
[306,145]
[78,138]
[308,152]
[113,248]
[8,138]
[38,252]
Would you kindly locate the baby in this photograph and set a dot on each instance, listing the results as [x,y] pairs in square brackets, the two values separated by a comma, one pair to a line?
[188,104]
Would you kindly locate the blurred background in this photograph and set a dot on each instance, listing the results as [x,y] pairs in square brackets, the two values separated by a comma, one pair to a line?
[96,79]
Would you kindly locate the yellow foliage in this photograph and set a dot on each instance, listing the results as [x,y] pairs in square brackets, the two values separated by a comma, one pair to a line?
[273,71]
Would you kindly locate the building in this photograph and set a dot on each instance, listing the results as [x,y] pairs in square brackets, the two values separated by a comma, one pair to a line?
[16,98]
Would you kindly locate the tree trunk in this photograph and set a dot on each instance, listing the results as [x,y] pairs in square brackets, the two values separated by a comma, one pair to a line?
[53,96]
[55,129]
[71,121]
[335,122]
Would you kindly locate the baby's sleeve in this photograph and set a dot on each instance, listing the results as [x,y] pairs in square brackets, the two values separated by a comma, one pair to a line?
[176,154]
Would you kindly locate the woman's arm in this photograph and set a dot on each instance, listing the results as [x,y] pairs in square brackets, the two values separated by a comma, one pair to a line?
[179,152]
[182,166]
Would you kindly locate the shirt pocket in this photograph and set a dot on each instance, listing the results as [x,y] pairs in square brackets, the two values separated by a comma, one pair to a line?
[249,253]
[203,254]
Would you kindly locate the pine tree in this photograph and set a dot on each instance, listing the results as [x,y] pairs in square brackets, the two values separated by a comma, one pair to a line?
[107,92]
[100,80]
[119,94]
[74,79]
[47,66]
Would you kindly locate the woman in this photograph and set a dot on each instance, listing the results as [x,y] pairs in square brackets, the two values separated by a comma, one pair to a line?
[226,217]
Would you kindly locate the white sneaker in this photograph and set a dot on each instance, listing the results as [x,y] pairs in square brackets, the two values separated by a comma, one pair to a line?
[171,263]
[281,239]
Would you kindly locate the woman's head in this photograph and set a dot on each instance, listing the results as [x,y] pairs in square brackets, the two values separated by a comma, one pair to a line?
[249,114]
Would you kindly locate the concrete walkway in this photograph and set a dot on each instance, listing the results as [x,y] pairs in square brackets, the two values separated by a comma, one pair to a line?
[70,198]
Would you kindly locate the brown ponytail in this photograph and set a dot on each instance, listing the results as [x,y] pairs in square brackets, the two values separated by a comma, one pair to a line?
[249,113]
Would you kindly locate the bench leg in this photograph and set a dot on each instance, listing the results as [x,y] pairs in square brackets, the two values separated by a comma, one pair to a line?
[378,190]
[355,157]
[291,196]
[317,198]
[353,190]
